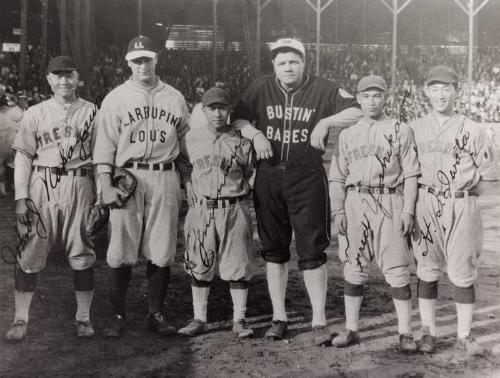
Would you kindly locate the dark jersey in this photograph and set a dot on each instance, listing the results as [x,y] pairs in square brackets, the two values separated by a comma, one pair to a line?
[288,118]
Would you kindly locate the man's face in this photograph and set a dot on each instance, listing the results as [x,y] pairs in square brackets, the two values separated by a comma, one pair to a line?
[289,68]
[216,115]
[372,103]
[143,69]
[63,83]
[441,96]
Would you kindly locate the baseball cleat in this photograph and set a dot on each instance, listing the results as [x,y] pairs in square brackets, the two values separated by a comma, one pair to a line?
[345,338]
[277,330]
[470,346]
[427,342]
[194,328]
[84,328]
[158,323]
[321,336]
[115,326]
[407,344]
[17,332]
[240,328]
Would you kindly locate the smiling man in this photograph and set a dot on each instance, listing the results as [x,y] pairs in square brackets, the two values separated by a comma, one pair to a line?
[141,127]
[291,191]
[454,153]
[54,191]
[373,187]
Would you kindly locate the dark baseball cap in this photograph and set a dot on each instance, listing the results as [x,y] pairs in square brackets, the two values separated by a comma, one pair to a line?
[441,74]
[61,63]
[372,82]
[139,47]
[216,96]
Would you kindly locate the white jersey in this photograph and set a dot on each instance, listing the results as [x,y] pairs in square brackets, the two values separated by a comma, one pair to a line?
[375,155]
[54,135]
[139,124]
[223,164]
[452,156]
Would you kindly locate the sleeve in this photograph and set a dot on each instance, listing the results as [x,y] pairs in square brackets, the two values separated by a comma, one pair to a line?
[250,168]
[107,136]
[341,99]
[22,175]
[182,160]
[339,169]
[482,152]
[408,151]
[25,140]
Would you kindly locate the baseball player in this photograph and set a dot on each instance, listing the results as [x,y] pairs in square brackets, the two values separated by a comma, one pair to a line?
[141,126]
[54,189]
[454,153]
[372,163]
[291,190]
[218,225]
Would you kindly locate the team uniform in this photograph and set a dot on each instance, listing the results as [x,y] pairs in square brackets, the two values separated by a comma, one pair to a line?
[218,229]
[139,129]
[371,161]
[291,190]
[448,236]
[454,153]
[54,190]
[58,140]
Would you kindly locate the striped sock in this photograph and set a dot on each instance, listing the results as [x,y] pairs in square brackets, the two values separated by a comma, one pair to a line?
[353,297]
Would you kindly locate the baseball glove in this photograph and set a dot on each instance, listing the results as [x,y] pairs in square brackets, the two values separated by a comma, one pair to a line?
[99,214]
[124,180]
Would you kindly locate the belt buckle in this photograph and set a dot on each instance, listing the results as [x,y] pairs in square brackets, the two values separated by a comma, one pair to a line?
[211,203]
[281,165]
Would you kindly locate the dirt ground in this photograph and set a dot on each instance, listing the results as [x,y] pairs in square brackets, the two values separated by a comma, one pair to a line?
[52,349]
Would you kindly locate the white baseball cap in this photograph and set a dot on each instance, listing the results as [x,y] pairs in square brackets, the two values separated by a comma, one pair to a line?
[140,46]
[289,43]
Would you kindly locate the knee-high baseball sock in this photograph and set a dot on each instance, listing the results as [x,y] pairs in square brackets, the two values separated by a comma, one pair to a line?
[464,301]
[119,279]
[200,290]
[401,297]
[25,284]
[22,301]
[427,297]
[239,295]
[158,280]
[316,285]
[277,281]
[353,297]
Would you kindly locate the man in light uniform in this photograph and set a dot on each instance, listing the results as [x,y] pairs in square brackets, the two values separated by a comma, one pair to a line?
[454,153]
[142,124]
[372,163]
[218,225]
[54,191]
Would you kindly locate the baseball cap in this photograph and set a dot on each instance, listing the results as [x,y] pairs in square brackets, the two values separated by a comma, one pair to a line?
[288,43]
[61,63]
[372,81]
[441,74]
[215,95]
[140,46]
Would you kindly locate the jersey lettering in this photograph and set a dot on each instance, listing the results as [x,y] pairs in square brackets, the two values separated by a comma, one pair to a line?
[296,136]
[208,161]
[150,112]
[293,114]
[153,136]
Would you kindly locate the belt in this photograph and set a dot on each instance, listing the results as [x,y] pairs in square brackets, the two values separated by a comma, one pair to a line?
[219,203]
[284,165]
[456,194]
[63,172]
[150,167]
[371,190]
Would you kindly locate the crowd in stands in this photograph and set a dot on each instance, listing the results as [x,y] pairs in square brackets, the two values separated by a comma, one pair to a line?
[191,73]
